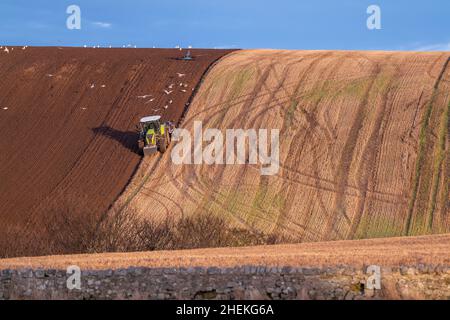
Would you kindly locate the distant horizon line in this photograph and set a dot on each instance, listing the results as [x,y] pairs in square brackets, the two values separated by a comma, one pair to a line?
[211,48]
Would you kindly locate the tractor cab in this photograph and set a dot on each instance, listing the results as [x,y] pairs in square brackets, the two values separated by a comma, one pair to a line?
[153,135]
[152,122]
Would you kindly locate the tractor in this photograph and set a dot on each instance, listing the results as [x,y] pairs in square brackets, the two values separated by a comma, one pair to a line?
[154,135]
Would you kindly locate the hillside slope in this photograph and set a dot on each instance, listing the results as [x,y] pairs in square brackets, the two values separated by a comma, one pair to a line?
[363,147]
[67,124]
[434,250]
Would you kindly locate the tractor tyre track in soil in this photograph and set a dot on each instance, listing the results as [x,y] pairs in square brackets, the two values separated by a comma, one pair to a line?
[343,118]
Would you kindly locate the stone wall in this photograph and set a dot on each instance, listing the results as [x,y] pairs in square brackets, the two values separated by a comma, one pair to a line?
[246,282]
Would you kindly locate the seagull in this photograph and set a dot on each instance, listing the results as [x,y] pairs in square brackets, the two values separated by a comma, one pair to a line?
[145,96]
[171,86]
[24,47]
[6,50]
[92,86]
[5,108]
[183,90]
[103,86]
[151,100]
[85,46]
[156,110]
[170,102]
[49,75]
[180,74]
[168,92]
[84,108]
[165,107]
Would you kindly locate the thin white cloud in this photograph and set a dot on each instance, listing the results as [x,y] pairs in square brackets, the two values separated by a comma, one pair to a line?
[434,47]
[100,24]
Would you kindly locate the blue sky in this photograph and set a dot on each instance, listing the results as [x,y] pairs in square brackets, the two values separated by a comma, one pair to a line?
[280,24]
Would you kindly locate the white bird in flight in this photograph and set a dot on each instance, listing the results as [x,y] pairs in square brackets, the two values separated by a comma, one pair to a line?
[145,96]
[168,92]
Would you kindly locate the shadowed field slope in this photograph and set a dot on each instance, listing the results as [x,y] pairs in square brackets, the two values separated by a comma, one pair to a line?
[67,122]
[363,146]
[385,252]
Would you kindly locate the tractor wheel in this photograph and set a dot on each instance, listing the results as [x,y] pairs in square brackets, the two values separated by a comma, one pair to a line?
[169,139]
[141,146]
[163,145]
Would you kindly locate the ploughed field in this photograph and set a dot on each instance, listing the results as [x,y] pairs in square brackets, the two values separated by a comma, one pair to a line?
[67,123]
[363,147]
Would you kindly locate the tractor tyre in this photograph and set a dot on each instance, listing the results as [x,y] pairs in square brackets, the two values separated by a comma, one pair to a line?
[141,146]
[163,145]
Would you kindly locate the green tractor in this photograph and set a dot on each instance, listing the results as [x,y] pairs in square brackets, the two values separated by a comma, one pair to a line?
[154,136]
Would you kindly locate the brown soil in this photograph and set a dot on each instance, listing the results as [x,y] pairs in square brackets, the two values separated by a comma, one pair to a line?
[363,146]
[67,122]
[386,252]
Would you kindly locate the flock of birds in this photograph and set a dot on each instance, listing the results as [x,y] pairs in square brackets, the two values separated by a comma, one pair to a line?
[182,87]
[149,97]
[6,49]
[168,91]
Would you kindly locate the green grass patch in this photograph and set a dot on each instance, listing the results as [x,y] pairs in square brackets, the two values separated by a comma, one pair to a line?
[419,164]
[377,226]
[439,157]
